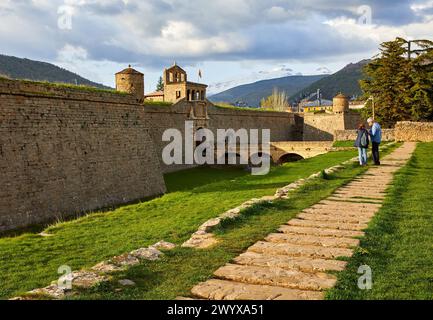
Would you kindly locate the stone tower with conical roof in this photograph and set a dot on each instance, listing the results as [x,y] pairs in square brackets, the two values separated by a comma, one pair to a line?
[340,104]
[131,81]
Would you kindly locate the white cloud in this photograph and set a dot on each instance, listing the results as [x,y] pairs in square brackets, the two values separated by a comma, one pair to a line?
[153,33]
[70,53]
[419,7]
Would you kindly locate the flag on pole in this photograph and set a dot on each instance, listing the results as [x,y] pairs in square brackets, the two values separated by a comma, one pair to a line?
[200,74]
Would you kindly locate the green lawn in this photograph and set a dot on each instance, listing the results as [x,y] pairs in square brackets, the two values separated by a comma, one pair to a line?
[30,261]
[399,242]
[182,268]
[344,144]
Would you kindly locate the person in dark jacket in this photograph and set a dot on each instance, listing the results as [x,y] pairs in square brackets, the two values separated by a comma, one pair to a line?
[362,142]
[376,139]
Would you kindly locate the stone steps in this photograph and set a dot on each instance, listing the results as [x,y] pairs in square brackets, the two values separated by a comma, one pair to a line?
[292,264]
[308,265]
[312,240]
[357,194]
[333,218]
[229,290]
[327,225]
[296,250]
[291,279]
[354,206]
[346,213]
[354,200]
[320,231]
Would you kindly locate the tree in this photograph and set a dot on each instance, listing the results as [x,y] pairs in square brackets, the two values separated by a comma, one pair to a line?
[422,89]
[401,86]
[160,85]
[278,101]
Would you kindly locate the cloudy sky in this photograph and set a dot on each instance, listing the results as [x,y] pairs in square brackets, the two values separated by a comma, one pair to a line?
[231,41]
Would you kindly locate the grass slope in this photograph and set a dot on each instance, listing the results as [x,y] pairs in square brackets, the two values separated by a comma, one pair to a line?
[399,242]
[183,268]
[30,261]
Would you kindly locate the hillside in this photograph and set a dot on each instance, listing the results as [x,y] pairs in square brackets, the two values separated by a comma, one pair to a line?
[251,94]
[346,81]
[17,68]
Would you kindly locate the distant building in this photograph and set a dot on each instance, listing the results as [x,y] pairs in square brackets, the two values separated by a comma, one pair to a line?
[177,87]
[356,105]
[157,96]
[316,106]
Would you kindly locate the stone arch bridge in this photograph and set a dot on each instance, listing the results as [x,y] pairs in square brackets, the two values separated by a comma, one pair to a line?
[304,149]
[288,151]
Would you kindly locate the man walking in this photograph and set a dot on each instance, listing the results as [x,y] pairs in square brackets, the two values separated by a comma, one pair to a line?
[376,139]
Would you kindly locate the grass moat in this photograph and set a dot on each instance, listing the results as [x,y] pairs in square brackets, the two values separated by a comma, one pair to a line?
[397,242]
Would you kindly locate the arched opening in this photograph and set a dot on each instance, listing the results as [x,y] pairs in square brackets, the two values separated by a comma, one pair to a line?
[289,157]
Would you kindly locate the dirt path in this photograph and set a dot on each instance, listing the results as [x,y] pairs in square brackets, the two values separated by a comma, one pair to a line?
[292,264]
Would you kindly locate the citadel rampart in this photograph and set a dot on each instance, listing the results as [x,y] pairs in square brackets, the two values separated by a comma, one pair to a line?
[351,135]
[322,126]
[414,131]
[405,131]
[66,151]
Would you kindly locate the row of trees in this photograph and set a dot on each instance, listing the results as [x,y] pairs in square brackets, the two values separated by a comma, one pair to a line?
[399,82]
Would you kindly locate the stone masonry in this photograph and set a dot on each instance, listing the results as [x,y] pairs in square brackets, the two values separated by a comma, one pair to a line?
[65,151]
[414,131]
[351,135]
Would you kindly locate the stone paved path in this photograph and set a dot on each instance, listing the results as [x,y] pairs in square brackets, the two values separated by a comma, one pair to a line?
[293,264]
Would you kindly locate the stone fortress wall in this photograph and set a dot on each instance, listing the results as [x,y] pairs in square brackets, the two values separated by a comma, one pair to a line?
[414,131]
[64,152]
[322,126]
[351,135]
[67,151]
[405,131]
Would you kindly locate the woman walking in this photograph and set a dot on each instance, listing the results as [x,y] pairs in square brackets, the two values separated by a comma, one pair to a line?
[362,142]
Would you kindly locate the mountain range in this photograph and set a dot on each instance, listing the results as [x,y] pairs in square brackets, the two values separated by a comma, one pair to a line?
[251,94]
[297,87]
[17,68]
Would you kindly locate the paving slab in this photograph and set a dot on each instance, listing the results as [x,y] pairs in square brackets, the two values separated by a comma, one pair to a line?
[346,213]
[295,250]
[291,263]
[291,279]
[327,225]
[312,240]
[321,231]
[354,200]
[355,206]
[228,290]
[334,218]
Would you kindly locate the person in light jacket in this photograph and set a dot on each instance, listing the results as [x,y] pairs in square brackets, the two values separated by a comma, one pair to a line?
[362,142]
[376,139]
